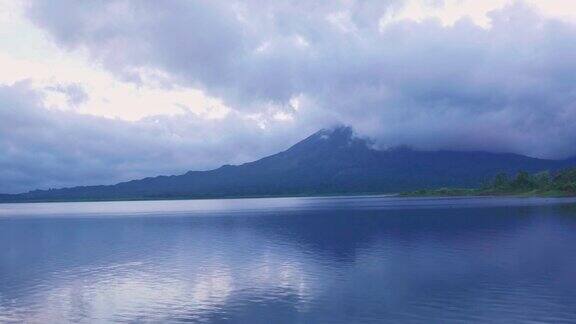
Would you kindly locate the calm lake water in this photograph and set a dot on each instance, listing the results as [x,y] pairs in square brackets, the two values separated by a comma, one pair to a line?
[290,260]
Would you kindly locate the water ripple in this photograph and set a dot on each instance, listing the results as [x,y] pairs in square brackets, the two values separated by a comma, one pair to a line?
[305,260]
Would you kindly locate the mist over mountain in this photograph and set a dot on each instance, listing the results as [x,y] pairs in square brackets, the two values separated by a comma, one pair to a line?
[331,161]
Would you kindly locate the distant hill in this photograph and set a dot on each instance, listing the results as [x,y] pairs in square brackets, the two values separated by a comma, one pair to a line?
[328,162]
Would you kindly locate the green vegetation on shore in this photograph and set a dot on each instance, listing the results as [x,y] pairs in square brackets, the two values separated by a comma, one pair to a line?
[557,184]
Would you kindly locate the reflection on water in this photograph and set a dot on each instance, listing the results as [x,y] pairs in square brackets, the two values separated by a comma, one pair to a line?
[307,260]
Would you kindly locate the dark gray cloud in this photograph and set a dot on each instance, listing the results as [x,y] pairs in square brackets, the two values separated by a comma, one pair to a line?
[510,87]
[74,92]
[247,52]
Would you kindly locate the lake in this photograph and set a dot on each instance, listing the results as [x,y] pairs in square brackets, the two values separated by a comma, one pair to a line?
[290,260]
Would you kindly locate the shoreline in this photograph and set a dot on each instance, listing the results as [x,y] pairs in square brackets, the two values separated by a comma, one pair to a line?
[479,193]
[435,193]
[343,195]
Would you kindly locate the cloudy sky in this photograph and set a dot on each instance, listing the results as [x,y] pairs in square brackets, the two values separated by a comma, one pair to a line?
[102,91]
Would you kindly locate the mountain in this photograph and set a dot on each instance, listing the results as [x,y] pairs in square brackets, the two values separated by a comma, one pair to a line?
[328,162]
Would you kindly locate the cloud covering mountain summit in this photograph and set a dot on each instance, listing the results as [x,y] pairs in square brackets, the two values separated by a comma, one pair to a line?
[508,87]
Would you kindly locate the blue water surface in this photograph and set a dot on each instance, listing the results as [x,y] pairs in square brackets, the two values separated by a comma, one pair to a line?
[290,260]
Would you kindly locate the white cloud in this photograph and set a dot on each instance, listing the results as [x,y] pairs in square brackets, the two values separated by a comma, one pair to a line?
[450,11]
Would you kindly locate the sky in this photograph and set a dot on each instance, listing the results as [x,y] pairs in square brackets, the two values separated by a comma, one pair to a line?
[97,92]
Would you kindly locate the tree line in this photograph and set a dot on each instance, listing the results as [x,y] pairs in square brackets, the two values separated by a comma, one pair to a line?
[562,181]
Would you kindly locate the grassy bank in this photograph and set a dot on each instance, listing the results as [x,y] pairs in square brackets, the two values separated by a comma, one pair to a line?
[543,184]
